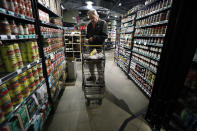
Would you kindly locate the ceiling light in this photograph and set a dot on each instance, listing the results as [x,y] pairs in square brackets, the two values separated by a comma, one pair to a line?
[89,4]
[62,7]
[120,4]
[116,16]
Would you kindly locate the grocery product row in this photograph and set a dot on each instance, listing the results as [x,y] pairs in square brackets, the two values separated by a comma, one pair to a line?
[52,45]
[34,109]
[153,19]
[151,30]
[10,27]
[15,55]
[149,41]
[159,5]
[22,7]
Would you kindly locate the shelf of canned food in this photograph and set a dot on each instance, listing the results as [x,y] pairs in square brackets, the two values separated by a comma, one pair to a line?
[11,75]
[154,12]
[140,53]
[153,24]
[47,9]
[16,15]
[54,52]
[14,109]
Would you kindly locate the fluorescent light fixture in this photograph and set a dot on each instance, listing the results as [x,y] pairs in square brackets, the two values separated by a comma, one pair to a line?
[116,16]
[89,4]
[62,7]
[120,4]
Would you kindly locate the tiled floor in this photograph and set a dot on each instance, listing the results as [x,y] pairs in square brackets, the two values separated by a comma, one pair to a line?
[121,97]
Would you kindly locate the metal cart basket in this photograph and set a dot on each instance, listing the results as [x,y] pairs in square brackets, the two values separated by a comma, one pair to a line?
[95,64]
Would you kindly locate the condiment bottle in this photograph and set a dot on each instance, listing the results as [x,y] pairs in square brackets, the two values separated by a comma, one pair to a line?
[13,27]
[5,27]
[11,6]
[3,4]
[16,5]
[21,30]
[26,30]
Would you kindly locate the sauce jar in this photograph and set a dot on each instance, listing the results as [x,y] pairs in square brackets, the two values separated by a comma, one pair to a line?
[13,27]
[11,6]
[3,4]
[21,30]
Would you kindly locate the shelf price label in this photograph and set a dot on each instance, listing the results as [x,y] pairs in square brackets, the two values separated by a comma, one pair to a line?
[12,37]
[11,13]
[28,66]
[19,71]
[4,37]
[2,10]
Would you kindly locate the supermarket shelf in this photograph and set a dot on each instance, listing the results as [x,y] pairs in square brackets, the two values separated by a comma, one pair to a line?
[50,74]
[19,71]
[50,25]
[154,12]
[17,37]
[121,66]
[8,118]
[125,56]
[72,43]
[54,52]
[140,86]
[144,66]
[51,36]
[154,58]
[47,9]
[16,16]
[151,44]
[152,24]
[72,51]
[127,32]
[58,77]
[143,77]
[153,35]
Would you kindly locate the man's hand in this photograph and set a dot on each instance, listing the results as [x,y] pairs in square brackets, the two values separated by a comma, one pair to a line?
[90,39]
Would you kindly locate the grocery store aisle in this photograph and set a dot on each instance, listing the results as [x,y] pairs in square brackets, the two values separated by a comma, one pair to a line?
[73,115]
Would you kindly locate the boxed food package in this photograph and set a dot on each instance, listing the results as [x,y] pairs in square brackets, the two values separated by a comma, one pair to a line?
[23,116]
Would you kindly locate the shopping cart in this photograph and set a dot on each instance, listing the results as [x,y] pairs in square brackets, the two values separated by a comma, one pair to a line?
[94,89]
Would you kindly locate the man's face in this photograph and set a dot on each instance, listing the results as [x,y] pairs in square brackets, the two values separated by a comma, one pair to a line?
[93,18]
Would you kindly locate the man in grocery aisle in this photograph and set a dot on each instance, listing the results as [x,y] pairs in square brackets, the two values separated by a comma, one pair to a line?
[96,35]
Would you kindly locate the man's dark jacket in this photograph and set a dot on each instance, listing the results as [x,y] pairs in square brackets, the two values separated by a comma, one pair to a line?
[99,33]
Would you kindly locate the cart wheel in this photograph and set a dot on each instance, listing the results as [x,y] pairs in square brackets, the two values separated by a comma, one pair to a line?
[100,102]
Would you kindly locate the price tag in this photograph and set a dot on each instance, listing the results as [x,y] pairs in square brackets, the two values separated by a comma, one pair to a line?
[19,71]
[28,66]
[2,10]
[38,61]
[4,37]
[20,36]
[0,81]
[11,13]
[25,36]
[22,16]
[12,37]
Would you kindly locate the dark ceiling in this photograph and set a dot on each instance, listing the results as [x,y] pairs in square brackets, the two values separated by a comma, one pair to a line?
[104,7]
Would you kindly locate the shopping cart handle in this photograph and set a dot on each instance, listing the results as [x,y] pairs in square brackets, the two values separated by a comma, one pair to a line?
[93,45]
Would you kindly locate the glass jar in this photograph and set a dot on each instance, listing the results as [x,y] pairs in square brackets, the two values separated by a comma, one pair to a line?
[11,6]
[3,4]
[26,29]
[5,27]
[21,30]
[13,27]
